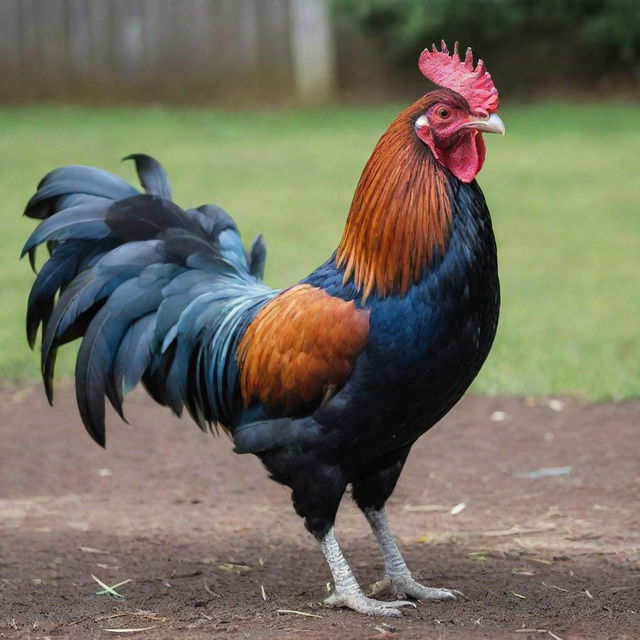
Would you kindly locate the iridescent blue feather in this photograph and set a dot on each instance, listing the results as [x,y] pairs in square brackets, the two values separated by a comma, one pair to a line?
[160,295]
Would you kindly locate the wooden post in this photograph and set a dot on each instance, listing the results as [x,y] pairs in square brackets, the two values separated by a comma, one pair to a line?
[313,50]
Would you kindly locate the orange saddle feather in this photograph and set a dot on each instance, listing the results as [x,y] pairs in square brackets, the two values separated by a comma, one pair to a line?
[300,348]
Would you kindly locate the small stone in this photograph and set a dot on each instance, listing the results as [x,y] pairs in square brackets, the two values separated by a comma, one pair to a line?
[555,405]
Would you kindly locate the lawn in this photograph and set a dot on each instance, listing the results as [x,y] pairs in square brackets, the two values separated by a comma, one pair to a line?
[563,188]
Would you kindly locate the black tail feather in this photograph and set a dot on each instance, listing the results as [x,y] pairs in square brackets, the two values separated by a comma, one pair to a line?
[153,177]
[76,181]
[160,295]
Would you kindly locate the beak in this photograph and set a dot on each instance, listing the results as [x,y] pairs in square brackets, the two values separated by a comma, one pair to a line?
[492,124]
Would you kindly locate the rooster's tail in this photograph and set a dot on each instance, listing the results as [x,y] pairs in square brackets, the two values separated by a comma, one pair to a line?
[158,294]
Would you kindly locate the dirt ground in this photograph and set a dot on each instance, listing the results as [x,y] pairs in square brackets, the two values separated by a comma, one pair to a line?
[212,548]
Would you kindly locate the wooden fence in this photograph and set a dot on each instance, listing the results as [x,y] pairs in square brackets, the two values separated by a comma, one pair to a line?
[166,50]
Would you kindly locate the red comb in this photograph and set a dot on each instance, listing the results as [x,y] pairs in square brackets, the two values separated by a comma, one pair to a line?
[448,71]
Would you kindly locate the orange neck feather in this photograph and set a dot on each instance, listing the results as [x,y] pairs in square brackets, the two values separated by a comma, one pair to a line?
[400,212]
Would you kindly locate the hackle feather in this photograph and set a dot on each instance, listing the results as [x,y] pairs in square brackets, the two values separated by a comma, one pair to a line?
[400,213]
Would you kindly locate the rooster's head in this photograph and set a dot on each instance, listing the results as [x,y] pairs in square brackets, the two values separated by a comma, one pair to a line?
[450,121]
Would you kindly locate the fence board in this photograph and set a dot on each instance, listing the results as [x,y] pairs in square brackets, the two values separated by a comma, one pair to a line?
[184,50]
[10,43]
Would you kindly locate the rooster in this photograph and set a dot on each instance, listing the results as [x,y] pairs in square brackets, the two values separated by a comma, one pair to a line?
[328,382]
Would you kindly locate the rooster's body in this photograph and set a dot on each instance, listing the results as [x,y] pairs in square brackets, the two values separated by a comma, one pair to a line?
[329,382]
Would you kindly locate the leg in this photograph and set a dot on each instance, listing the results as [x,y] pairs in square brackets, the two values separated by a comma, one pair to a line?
[370,492]
[317,490]
[347,592]
[398,578]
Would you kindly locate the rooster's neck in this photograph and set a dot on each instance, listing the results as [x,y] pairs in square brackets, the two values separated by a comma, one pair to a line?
[400,214]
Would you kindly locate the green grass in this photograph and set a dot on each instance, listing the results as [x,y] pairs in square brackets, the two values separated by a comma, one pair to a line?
[563,188]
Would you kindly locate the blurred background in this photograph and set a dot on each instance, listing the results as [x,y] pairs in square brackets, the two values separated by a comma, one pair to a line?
[270,109]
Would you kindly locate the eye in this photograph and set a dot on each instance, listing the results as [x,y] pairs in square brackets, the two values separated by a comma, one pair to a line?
[443,113]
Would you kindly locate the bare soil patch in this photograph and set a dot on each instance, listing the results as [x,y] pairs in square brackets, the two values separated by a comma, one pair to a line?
[202,534]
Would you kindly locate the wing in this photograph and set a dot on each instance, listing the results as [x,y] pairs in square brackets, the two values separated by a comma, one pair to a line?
[300,349]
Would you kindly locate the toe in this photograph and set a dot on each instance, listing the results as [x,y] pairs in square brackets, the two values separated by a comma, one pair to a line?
[373,607]
[427,593]
[389,612]
[440,594]
[413,589]
[401,603]
[368,606]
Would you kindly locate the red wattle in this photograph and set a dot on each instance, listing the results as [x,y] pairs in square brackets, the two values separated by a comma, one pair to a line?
[464,158]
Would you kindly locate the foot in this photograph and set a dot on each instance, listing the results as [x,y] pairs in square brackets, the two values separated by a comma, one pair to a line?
[404,585]
[361,604]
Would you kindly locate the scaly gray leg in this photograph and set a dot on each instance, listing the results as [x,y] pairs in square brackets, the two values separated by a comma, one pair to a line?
[347,592]
[398,579]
